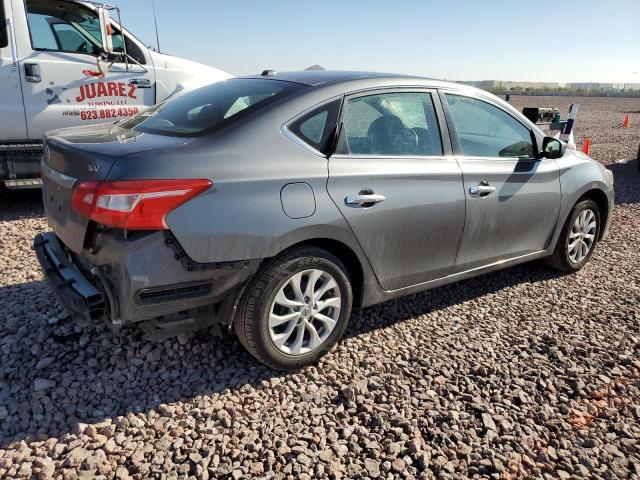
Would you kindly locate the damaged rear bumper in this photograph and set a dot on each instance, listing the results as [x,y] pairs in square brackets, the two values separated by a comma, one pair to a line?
[80,297]
[140,279]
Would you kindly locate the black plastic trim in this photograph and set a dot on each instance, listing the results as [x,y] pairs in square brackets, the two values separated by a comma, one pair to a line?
[171,293]
[192,266]
[81,298]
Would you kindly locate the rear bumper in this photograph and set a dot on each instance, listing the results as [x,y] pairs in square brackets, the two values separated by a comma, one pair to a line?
[81,298]
[134,280]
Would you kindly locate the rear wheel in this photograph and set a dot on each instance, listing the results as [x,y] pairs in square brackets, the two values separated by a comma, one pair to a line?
[296,308]
[578,238]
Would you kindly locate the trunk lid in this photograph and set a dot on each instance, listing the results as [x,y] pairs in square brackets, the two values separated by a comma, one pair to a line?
[81,154]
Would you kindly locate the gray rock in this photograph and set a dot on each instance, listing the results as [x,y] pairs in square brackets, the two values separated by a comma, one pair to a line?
[372,466]
[43,384]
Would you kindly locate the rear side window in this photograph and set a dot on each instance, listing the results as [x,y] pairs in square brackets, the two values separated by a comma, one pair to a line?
[485,130]
[396,124]
[316,128]
[4,38]
[210,108]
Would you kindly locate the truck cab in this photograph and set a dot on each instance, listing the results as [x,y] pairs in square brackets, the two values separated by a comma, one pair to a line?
[65,63]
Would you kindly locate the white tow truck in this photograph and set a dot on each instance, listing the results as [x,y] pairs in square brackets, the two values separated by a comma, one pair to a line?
[68,62]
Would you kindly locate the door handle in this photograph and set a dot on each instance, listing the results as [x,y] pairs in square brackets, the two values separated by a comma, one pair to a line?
[481,190]
[32,72]
[364,200]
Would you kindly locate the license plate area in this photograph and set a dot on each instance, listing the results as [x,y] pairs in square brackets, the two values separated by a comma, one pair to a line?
[57,202]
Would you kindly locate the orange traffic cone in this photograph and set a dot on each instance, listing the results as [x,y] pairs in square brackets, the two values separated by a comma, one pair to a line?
[586,146]
[625,122]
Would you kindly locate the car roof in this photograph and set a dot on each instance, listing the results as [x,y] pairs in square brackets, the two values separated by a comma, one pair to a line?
[323,77]
[339,81]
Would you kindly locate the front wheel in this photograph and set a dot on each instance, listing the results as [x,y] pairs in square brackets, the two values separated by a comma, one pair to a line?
[578,238]
[295,309]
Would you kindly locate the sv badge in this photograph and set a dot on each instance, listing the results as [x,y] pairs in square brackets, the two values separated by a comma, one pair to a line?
[94,168]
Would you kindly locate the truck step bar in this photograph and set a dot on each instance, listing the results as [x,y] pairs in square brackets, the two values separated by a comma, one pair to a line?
[20,165]
[14,147]
[21,183]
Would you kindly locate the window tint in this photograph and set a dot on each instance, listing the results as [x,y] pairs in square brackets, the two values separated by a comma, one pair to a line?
[487,131]
[211,107]
[64,26]
[317,127]
[391,124]
[70,39]
[4,39]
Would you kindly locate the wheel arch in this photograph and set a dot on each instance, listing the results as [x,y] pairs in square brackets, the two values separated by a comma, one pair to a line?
[347,256]
[601,200]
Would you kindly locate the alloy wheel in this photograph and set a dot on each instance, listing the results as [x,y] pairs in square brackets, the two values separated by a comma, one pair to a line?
[304,312]
[582,236]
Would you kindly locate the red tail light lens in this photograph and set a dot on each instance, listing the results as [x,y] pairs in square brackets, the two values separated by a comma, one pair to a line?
[134,204]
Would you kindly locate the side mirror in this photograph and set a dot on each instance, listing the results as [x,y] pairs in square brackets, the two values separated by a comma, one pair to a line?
[552,148]
[105,30]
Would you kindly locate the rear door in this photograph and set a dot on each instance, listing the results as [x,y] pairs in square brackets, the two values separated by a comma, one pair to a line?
[513,199]
[12,122]
[397,185]
[60,80]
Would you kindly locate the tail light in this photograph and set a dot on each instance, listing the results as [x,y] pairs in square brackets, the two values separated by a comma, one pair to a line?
[134,204]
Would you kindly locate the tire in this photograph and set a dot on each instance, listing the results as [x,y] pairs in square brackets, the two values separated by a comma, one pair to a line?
[270,297]
[562,258]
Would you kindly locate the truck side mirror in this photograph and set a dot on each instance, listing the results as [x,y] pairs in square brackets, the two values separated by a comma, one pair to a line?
[105,30]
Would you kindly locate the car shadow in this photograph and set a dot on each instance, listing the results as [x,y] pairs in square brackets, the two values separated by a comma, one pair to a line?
[20,204]
[626,181]
[404,308]
[50,380]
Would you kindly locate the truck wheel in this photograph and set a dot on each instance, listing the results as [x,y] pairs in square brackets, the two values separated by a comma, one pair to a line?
[578,238]
[296,308]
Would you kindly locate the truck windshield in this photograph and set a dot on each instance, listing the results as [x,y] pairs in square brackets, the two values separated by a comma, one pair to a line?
[210,108]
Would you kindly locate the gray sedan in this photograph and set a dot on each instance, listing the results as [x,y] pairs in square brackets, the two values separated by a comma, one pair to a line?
[275,204]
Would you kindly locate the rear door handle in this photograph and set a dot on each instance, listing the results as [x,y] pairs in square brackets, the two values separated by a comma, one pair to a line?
[481,190]
[363,200]
[32,72]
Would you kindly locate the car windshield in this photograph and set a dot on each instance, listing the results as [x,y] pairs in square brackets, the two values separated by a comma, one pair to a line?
[210,108]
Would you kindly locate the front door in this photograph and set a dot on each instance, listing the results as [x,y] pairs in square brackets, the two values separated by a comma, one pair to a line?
[397,185]
[59,74]
[513,199]
[12,121]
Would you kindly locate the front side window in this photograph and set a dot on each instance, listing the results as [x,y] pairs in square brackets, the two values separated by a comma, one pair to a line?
[210,108]
[317,127]
[62,26]
[397,124]
[485,130]
[66,27]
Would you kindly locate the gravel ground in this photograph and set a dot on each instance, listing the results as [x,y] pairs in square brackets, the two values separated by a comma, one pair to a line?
[517,374]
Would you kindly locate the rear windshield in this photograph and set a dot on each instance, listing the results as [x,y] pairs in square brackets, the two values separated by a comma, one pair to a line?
[210,108]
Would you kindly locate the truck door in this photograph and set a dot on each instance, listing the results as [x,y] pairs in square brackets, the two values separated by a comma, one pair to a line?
[12,122]
[60,80]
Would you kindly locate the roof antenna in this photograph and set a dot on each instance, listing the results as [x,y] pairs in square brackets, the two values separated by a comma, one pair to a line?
[155,21]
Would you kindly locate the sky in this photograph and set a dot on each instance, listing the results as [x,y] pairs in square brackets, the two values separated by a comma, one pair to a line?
[518,40]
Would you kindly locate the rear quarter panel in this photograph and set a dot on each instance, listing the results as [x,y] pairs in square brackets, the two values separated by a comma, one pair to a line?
[241,216]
